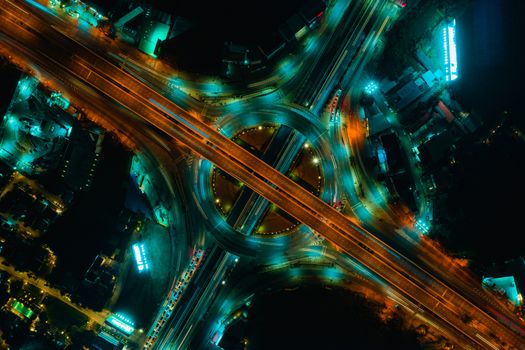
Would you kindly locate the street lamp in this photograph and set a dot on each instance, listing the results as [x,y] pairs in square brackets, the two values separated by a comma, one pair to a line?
[370,88]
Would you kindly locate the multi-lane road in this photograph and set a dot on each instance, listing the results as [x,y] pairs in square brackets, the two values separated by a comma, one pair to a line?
[67,60]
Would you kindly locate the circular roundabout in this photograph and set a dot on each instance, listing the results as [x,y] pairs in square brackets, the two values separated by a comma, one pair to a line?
[290,140]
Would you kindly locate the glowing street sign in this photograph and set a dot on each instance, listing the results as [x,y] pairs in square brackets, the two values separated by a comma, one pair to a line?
[140,256]
[450,53]
[121,323]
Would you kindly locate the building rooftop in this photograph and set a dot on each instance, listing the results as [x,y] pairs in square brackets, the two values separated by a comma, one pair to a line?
[153,34]
[506,285]
[80,158]
[377,124]
[394,155]
[437,147]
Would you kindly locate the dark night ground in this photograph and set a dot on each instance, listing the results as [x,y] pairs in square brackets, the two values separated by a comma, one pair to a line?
[242,22]
[485,203]
[89,226]
[313,317]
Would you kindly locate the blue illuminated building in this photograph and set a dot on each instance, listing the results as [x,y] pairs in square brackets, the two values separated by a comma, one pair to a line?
[505,285]
[450,53]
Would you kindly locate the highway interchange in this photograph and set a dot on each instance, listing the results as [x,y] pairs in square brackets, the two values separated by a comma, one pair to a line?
[375,236]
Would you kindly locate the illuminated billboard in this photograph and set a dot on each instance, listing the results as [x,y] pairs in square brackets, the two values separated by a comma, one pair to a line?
[122,323]
[140,256]
[449,51]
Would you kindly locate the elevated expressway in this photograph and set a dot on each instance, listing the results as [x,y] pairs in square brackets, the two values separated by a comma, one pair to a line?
[64,59]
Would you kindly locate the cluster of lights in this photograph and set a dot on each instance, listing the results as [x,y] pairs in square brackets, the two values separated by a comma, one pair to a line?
[35,130]
[59,100]
[12,121]
[78,9]
[122,323]
[449,51]
[370,87]
[421,226]
[334,101]
[25,87]
[109,338]
[173,298]
[140,256]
